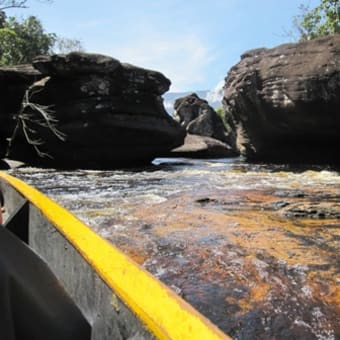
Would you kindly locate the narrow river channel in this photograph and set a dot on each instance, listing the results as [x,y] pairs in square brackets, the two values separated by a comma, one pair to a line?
[253,247]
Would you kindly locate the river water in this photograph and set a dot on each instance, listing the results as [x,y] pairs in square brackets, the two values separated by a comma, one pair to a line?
[253,247]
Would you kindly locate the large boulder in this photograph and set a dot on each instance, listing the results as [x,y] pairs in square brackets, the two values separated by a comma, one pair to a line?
[202,147]
[14,81]
[285,101]
[104,114]
[199,118]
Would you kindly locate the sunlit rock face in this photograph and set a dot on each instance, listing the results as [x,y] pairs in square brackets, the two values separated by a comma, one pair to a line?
[14,80]
[285,101]
[110,114]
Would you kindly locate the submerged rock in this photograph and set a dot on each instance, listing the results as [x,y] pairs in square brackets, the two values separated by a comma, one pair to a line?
[108,114]
[322,210]
[285,101]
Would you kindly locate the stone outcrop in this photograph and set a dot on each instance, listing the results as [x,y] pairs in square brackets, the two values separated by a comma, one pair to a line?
[109,114]
[285,101]
[14,81]
[201,120]
[196,146]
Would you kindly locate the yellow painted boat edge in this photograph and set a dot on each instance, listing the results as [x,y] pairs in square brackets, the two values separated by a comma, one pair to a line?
[165,313]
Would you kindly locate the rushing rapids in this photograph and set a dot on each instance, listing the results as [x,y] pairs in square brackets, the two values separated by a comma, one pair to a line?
[252,247]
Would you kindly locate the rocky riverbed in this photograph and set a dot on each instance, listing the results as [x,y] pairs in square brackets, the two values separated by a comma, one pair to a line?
[255,248]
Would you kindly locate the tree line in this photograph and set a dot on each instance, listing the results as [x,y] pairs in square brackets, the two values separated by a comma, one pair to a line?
[22,40]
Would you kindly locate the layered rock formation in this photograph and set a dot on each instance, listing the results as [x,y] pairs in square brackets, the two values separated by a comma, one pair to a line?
[207,134]
[107,114]
[285,101]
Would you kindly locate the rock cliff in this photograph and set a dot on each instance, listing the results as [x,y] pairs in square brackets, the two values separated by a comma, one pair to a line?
[285,101]
[106,113]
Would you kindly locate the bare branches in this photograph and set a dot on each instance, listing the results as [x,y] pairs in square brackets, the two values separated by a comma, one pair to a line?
[6,4]
[37,115]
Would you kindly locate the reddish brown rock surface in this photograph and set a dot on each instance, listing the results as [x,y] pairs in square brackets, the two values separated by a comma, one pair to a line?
[254,273]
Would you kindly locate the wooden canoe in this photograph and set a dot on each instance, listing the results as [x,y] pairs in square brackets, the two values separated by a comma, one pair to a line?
[119,299]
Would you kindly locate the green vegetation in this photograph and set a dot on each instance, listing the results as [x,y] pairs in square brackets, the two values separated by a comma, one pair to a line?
[220,112]
[322,20]
[21,41]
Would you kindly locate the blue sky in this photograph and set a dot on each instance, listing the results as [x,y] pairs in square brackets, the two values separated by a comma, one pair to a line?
[192,42]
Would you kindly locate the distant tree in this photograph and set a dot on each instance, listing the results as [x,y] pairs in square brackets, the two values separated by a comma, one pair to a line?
[221,113]
[322,20]
[8,4]
[66,45]
[2,18]
[20,42]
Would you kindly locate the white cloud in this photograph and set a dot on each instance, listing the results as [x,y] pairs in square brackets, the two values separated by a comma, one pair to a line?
[216,94]
[185,59]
